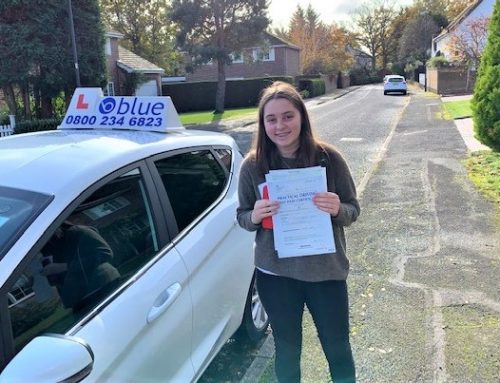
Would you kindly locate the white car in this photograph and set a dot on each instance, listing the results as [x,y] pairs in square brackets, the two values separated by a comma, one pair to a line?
[120,256]
[395,83]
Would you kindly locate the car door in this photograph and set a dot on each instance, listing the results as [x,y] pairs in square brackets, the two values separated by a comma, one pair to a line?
[217,252]
[123,289]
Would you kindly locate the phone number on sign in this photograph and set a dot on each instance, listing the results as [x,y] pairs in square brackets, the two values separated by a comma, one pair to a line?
[113,121]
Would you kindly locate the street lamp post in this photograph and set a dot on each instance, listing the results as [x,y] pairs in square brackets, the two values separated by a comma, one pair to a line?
[73,43]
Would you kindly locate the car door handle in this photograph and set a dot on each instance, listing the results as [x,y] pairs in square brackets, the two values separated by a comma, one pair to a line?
[163,301]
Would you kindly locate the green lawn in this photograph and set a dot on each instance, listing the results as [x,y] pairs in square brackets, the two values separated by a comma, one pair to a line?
[206,117]
[458,109]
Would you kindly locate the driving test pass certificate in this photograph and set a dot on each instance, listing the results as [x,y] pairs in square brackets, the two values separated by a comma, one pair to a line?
[300,228]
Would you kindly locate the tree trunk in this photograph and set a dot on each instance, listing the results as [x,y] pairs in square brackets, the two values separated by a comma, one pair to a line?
[467,81]
[221,87]
[47,111]
[10,98]
[25,90]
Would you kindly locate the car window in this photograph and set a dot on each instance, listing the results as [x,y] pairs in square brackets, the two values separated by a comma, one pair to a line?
[193,181]
[100,245]
[18,208]
[395,79]
[225,156]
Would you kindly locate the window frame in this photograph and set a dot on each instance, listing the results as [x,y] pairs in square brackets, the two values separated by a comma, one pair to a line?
[176,235]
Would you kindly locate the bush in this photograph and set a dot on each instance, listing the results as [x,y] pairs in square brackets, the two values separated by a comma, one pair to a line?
[4,118]
[313,86]
[304,93]
[438,62]
[361,76]
[486,100]
[37,125]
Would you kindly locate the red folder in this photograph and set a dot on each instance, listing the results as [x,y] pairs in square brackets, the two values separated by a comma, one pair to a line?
[267,223]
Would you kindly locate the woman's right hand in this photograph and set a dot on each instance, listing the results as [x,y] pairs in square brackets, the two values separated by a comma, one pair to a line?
[263,208]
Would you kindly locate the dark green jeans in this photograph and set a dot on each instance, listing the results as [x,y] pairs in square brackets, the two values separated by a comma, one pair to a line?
[327,301]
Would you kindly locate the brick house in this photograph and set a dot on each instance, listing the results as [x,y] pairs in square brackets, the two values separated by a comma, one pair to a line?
[121,62]
[276,57]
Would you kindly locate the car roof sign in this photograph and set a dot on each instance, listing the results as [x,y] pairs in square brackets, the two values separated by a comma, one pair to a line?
[90,109]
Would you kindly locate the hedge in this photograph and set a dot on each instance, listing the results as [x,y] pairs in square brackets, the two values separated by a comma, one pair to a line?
[37,125]
[196,96]
[313,86]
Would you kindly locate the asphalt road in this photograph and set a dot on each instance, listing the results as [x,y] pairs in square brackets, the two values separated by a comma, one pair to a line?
[424,254]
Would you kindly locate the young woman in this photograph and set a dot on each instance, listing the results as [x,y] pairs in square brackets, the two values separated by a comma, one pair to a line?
[285,140]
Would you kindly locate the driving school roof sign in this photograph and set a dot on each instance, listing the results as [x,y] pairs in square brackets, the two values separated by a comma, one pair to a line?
[89,109]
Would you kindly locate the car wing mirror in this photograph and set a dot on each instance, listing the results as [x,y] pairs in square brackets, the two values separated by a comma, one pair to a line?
[50,358]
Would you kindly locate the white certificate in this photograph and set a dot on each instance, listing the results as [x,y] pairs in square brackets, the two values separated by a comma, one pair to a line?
[300,228]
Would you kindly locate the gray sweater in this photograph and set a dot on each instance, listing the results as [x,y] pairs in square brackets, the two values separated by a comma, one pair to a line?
[314,268]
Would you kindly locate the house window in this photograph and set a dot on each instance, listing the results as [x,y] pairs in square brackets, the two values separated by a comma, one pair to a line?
[236,58]
[110,89]
[263,54]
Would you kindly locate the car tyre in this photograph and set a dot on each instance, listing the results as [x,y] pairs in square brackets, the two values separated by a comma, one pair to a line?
[255,319]
[385,93]
[404,93]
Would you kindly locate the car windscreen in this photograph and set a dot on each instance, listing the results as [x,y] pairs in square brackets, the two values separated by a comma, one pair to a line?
[18,208]
[395,79]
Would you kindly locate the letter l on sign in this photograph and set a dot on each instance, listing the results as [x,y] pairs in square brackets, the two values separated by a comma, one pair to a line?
[81,104]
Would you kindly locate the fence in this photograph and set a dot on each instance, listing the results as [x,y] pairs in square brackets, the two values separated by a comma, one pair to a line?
[7,130]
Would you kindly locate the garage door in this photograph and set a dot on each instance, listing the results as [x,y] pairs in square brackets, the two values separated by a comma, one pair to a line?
[147,89]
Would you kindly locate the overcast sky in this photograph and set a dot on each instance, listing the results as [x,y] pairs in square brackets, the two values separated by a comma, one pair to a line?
[281,11]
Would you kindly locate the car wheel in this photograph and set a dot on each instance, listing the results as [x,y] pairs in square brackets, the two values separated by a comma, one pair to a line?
[385,93]
[404,92]
[255,320]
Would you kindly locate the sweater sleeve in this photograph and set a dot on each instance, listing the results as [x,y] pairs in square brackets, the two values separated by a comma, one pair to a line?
[346,190]
[246,197]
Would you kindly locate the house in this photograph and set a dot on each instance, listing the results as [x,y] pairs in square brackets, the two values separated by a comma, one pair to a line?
[477,9]
[121,63]
[276,57]
[362,60]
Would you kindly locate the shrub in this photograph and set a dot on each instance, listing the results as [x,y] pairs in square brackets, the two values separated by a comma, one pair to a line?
[304,93]
[361,76]
[4,118]
[314,86]
[438,62]
[486,100]
[37,125]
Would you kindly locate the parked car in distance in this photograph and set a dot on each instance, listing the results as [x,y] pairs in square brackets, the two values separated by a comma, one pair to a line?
[395,83]
[120,256]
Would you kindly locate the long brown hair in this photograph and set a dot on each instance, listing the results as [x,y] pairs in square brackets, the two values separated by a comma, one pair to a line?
[264,151]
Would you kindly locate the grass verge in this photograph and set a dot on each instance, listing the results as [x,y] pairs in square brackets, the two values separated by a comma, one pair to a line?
[483,168]
[457,109]
[208,117]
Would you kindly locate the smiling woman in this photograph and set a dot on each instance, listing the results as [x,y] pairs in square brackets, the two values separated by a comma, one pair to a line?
[285,142]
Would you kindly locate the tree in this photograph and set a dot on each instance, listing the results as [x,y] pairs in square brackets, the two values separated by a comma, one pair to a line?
[486,100]
[373,20]
[323,47]
[415,43]
[466,44]
[455,7]
[339,60]
[38,60]
[448,8]
[214,29]
[147,30]
[18,35]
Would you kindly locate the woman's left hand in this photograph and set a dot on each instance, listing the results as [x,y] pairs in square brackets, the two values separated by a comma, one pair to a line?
[328,202]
